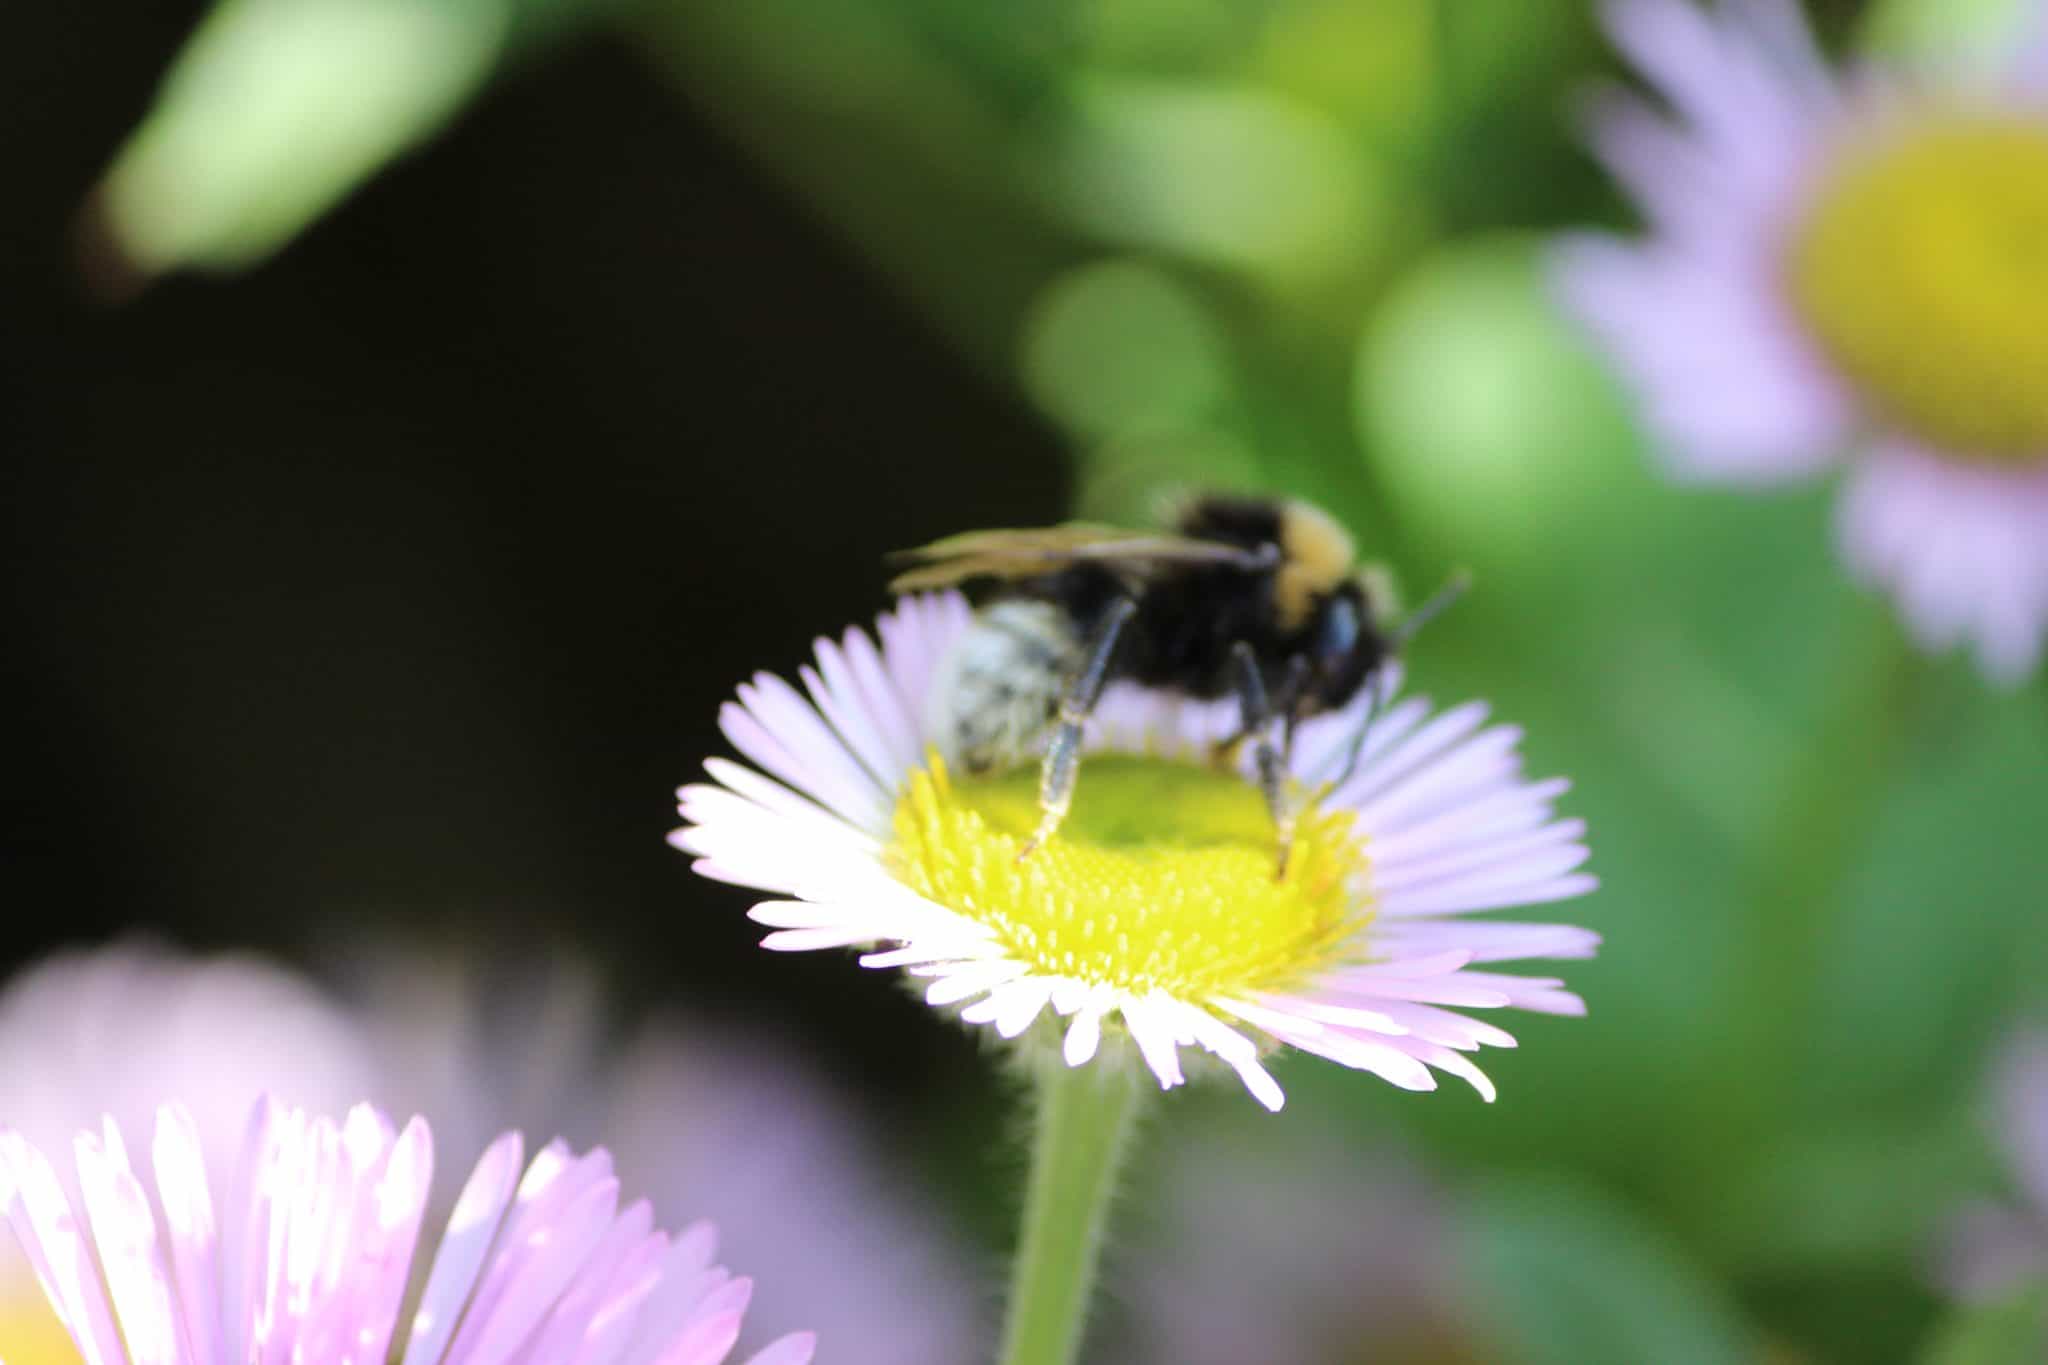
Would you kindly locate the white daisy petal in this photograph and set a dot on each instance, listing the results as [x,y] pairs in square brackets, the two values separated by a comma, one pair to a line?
[1084,1035]
[1156,1041]
[1019,1004]
[959,984]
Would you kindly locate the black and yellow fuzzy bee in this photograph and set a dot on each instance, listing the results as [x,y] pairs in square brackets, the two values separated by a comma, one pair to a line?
[1262,598]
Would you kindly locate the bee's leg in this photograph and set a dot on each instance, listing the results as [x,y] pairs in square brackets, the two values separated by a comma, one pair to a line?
[1291,702]
[1063,752]
[1223,753]
[1374,683]
[1294,706]
[1272,771]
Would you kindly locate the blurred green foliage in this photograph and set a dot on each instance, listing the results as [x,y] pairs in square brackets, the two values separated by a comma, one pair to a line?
[1298,244]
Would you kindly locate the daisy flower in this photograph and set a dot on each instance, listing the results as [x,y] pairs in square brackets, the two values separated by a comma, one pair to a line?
[1841,272]
[307,1254]
[1154,914]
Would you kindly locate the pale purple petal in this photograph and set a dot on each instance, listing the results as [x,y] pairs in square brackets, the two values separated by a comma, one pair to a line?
[795,1349]
[1489,940]
[623,1299]
[1963,547]
[713,1329]
[688,1279]
[1694,319]
[389,1236]
[1723,374]
[2021,1081]
[471,1230]
[570,1321]
[549,1257]
[328,1217]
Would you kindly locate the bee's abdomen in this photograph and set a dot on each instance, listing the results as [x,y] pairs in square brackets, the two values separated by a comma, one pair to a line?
[999,687]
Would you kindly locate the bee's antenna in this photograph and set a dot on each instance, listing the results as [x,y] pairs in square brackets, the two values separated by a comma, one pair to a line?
[1453,588]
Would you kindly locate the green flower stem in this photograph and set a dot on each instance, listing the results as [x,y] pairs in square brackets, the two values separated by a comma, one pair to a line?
[1084,1122]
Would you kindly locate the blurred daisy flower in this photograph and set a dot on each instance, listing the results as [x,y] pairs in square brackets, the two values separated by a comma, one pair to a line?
[714,1121]
[1154,915]
[116,1030]
[308,1252]
[1842,271]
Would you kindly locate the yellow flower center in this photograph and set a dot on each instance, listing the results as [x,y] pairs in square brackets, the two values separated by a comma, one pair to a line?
[30,1333]
[1922,267]
[1161,878]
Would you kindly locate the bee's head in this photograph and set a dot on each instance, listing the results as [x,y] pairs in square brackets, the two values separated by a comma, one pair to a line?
[1343,642]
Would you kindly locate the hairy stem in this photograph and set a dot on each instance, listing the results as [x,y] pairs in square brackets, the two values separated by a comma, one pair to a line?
[1083,1124]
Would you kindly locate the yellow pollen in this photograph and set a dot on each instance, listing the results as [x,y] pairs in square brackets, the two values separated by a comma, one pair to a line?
[30,1333]
[1922,268]
[1160,878]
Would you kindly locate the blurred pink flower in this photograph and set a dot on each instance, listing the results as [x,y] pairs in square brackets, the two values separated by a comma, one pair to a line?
[308,1253]
[1841,271]
[1987,1247]
[1366,958]
[1291,1249]
[711,1122]
[120,1030]
[715,1121]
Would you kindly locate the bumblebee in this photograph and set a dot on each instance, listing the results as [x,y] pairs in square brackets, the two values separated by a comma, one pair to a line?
[1259,598]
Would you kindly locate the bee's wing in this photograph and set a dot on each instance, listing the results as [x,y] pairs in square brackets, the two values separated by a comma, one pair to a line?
[1048,549]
